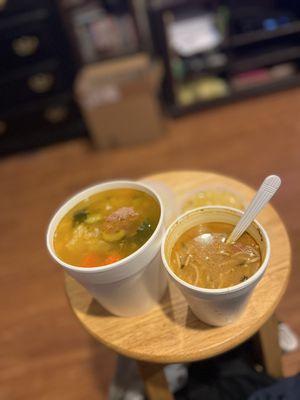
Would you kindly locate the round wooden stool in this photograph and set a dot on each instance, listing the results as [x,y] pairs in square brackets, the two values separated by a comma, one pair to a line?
[171,333]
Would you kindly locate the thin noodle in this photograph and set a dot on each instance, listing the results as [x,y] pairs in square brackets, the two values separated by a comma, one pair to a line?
[253,260]
[178,259]
[197,274]
[220,281]
[187,260]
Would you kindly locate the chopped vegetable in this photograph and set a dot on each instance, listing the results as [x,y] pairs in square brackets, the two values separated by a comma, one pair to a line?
[91,260]
[112,259]
[80,216]
[113,237]
[93,218]
[145,227]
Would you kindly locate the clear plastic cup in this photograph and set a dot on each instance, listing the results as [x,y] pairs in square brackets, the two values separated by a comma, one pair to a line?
[212,195]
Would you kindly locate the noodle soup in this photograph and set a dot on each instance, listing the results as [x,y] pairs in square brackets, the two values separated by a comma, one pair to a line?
[202,258]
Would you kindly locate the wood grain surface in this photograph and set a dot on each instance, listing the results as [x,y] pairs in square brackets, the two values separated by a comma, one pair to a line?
[171,333]
[44,352]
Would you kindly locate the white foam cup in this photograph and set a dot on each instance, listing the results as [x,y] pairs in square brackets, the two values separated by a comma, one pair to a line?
[131,286]
[216,307]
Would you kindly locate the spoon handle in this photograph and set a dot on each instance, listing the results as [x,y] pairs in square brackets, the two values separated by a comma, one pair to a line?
[267,190]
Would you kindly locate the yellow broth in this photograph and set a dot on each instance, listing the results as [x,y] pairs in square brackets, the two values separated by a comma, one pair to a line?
[106,227]
[202,257]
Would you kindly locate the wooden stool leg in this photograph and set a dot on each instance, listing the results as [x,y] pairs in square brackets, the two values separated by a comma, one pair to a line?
[270,350]
[156,385]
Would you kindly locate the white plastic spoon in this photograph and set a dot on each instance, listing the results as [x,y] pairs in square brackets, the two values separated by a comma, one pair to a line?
[267,190]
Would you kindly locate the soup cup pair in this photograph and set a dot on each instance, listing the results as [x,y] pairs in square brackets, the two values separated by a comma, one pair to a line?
[135,284]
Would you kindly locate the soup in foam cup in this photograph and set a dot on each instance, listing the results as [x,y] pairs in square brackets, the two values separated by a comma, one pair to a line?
[215,306]
[132,285]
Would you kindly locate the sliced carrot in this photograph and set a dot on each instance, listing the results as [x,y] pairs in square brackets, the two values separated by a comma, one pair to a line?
[112,258]
[91,260]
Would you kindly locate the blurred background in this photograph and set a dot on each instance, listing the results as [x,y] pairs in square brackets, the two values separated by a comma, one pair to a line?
[66,65]
[92,90]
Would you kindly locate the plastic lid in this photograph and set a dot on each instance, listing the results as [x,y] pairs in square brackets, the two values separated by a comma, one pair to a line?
[168,197]
[212,195]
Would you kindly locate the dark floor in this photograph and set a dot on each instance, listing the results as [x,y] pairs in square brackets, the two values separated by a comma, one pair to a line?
[44,352]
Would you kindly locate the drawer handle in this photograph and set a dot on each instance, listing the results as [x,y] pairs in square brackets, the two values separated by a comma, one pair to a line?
[41,83]
[56,114]
[25,46]
[2,4]
[3,127]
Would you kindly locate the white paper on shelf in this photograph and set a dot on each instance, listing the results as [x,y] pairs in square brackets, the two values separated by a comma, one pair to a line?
[194,35]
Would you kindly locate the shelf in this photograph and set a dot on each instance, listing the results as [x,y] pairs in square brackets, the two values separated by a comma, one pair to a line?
[276,84]
[235,95]
[193,75]
[244,39]
[262,60]
[253,38]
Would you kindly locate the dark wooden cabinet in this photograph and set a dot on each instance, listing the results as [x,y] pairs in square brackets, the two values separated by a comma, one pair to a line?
[33,84]
[39,124]
[27,43]
[37,70]
[10,8]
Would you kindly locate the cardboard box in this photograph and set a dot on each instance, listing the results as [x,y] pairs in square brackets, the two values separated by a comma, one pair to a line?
[118,100]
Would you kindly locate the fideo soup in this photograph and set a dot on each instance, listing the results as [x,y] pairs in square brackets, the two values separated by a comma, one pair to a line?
[202,257]
[106,227]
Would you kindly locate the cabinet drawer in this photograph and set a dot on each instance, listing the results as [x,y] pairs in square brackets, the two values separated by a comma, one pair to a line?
[35,127]
[37,84]
[11,7]
[27,43]
[49,116]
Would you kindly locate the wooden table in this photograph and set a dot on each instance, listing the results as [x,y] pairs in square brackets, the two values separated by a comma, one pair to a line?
[171,333]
